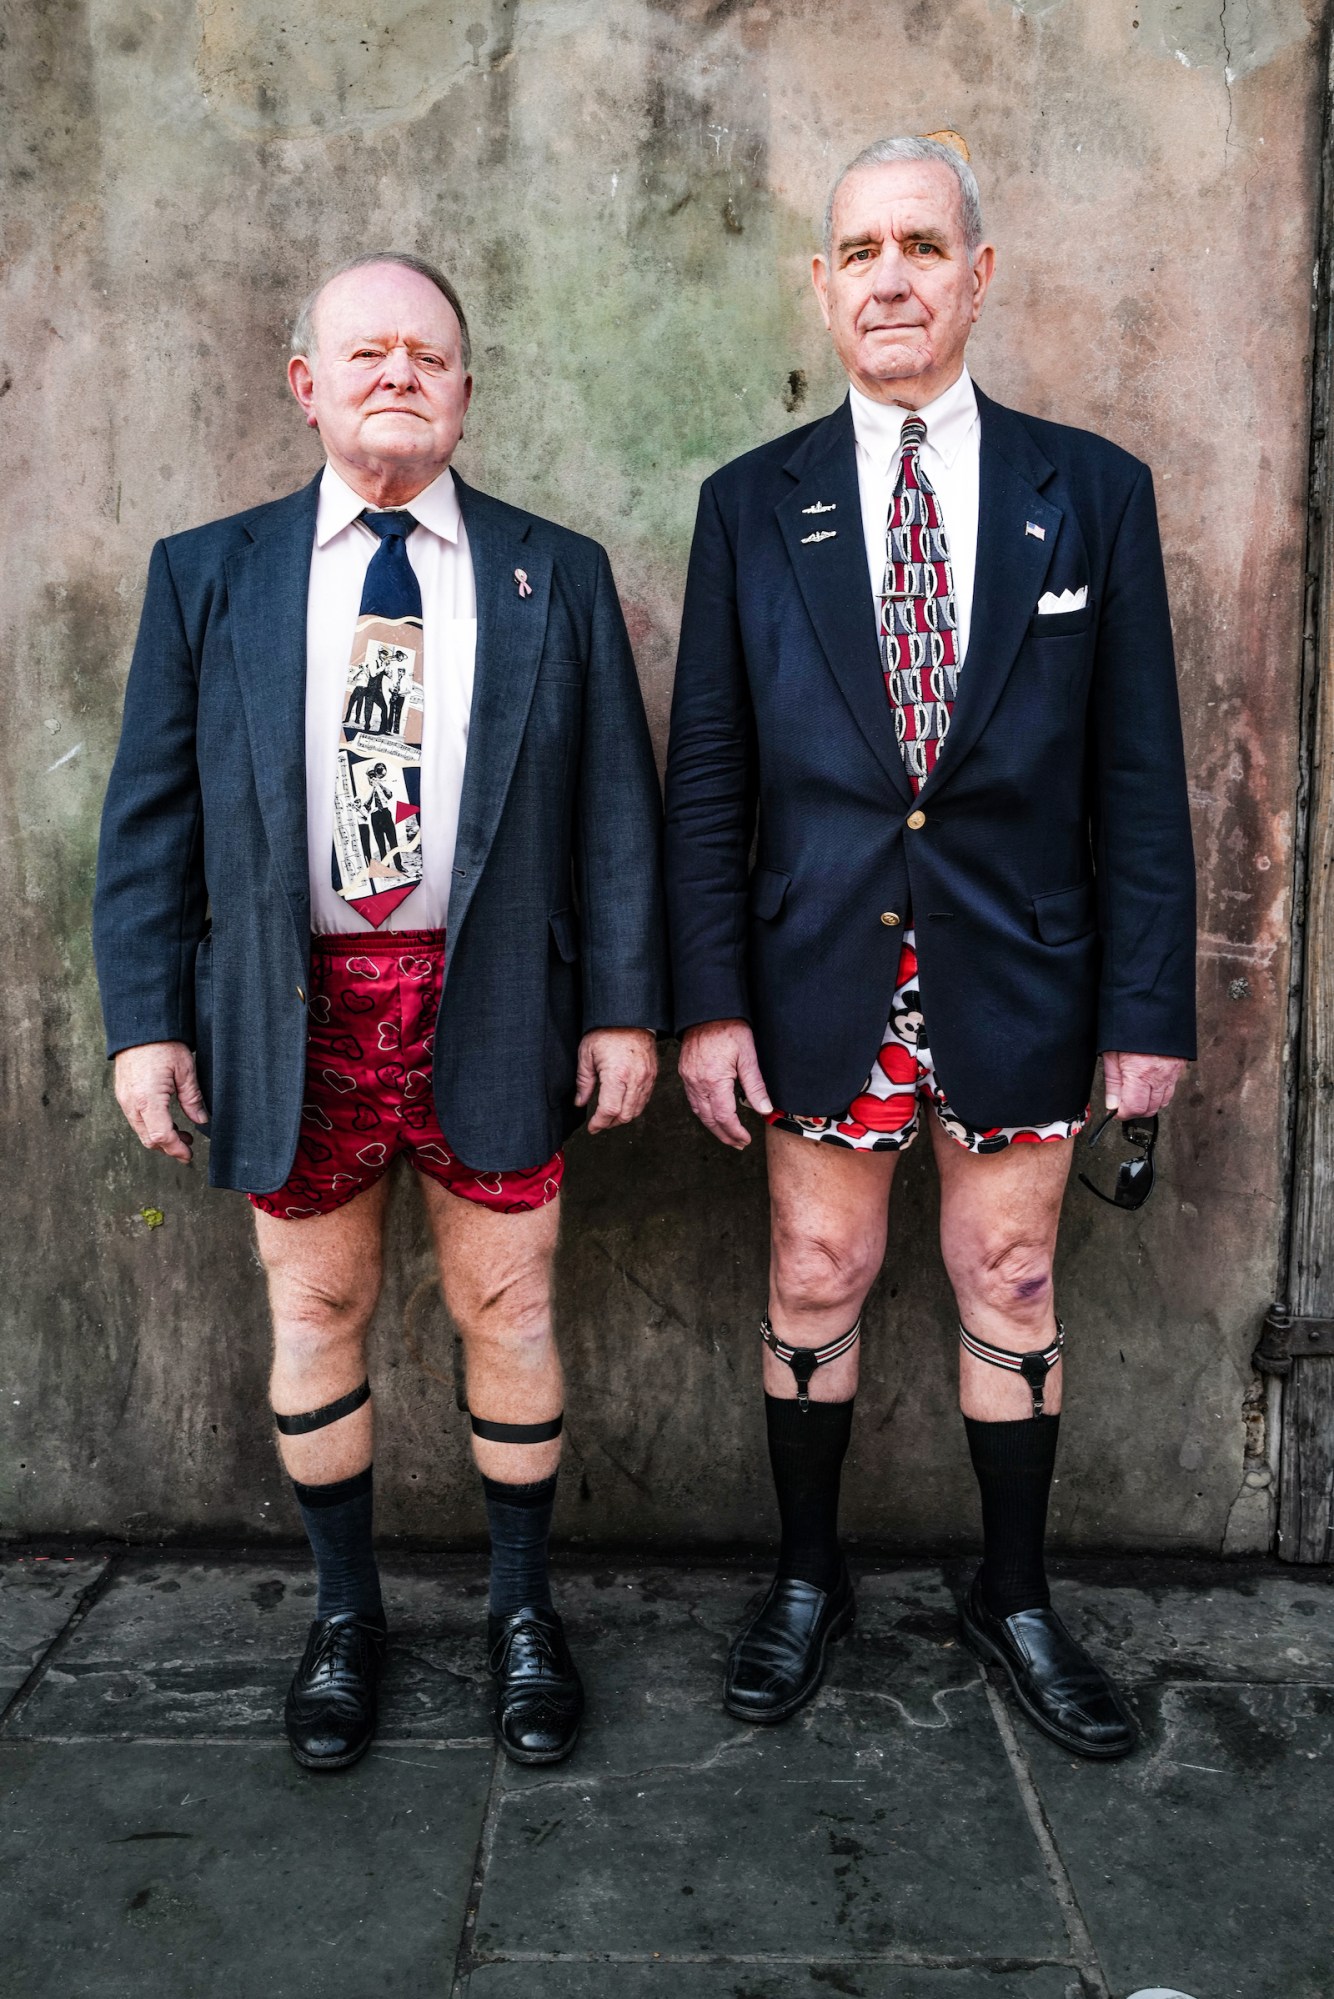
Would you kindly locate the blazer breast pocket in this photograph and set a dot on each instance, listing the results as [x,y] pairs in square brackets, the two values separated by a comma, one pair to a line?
[1061,624]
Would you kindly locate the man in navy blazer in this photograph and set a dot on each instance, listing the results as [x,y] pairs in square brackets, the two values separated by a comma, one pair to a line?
[286,977]
[926,668]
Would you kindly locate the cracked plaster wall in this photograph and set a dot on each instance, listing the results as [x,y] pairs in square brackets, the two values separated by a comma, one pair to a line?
[626,195]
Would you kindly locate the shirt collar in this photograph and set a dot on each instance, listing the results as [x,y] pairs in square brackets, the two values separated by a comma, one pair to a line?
[949,420]
[436,507]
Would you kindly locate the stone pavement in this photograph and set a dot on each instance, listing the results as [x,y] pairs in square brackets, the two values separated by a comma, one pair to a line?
[905,1836]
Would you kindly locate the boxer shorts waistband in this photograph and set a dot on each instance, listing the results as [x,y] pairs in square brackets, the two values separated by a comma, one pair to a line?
[376,943]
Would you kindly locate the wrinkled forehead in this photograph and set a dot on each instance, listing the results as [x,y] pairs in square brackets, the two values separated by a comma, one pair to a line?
[385,302]
[906,195]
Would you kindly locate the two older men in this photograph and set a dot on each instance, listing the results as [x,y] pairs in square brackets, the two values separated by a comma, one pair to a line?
[340,928]
[926,665]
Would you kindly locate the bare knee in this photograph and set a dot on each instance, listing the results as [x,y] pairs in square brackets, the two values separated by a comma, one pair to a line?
[817,1273]
[511,1313]
[1012,1277]
[314,1320]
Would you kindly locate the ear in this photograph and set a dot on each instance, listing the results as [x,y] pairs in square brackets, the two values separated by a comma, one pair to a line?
[302,384]
[820,279]
[984,269]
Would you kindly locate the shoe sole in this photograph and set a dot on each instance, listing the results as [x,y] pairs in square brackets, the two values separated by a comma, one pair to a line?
[841,1624]
[531,1756]
[982,1648]
[328,1762]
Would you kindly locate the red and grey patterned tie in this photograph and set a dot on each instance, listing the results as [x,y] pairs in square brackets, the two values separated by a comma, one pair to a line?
[919,631]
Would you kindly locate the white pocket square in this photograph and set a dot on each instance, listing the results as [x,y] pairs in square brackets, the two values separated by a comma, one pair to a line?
[1069,600]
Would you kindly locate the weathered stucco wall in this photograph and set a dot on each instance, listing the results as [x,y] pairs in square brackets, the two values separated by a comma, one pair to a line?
[626,195]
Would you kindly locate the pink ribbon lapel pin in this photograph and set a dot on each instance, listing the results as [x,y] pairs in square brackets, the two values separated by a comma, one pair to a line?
[525,587]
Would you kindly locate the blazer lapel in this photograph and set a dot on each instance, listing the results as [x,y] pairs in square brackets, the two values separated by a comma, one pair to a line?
[267,585]
[1016,537]
[834,581]
[510,633]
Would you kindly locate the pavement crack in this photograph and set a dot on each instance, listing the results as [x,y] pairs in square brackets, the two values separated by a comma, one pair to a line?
[723,1752]
[1227,77]
[89,1596]
[1082,1947]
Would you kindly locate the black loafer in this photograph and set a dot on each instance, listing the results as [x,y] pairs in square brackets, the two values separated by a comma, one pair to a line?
[1060,1688]
[777,1663]
[539,1695]
[332,1702]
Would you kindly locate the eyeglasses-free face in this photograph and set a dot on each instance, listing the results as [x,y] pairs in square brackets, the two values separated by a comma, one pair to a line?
[1134,1178]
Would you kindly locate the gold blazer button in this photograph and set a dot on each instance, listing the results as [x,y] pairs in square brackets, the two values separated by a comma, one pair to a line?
[891,919]
[917,820]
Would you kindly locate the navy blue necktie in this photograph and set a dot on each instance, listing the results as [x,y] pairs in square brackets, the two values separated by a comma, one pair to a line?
[377,859]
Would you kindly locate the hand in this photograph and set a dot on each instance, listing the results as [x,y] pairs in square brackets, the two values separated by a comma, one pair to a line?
[147,1078]
[1139,1085]
[715,1057]
[622,1064]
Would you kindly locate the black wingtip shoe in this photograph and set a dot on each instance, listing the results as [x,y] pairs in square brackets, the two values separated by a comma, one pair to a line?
[1060,1688]
[333,1701]
[777,1663]
[539,1695]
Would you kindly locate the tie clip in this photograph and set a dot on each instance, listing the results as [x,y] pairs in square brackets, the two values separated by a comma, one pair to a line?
[1038,534]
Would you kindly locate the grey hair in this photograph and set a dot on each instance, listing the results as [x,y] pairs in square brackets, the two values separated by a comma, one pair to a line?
[303,326]
[885,153]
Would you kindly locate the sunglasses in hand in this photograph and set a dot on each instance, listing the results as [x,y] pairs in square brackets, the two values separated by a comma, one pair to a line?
[1134,1177]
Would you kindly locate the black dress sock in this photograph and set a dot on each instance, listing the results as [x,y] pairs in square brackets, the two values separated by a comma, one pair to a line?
[1014,1464]
[520,1522]
[806,1451]
[337,1519]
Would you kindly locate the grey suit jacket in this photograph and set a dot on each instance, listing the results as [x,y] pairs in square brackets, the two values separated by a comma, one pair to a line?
[202,911]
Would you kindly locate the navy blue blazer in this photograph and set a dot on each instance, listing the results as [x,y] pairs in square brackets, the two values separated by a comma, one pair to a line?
[1052,883]
[201,921]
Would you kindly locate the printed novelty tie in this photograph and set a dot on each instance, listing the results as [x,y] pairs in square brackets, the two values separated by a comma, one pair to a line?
[377,858]
[919,633]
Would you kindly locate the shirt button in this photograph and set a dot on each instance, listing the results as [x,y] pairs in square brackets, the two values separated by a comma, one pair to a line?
[917,820]
[891,919]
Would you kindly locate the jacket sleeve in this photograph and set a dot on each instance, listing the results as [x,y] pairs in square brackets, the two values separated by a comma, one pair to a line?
[1143,853]
[149,902]
[618,835]
[711,786]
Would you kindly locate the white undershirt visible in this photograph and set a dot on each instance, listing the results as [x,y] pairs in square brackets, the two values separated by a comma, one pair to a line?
[438,551]
[950,458]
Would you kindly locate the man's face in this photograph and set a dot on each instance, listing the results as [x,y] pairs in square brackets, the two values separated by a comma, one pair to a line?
[386,387]
[901,292]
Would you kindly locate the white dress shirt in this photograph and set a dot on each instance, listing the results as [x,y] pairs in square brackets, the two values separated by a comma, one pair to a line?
[950,458]
[438,551]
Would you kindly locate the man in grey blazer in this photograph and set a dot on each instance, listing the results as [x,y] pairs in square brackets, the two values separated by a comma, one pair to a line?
[458,990]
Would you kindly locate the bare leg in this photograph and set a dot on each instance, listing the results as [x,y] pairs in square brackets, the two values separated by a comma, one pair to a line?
[828,1211]
[999,1214]
[495,1271]
[324,1279]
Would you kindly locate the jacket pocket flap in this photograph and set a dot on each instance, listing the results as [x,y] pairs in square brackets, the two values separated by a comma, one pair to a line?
[1065,914]
[767,890]
[563,930]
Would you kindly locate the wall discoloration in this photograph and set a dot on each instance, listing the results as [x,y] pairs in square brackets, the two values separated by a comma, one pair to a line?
[628,198]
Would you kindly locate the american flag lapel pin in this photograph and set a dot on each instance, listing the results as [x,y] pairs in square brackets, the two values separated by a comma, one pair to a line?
[525,587]
[1038,534]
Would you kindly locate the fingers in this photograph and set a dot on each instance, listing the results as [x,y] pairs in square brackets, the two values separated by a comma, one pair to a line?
[146,1079]
[611,1102]
[714,1057]
[1111,1080]
[1140,1085]
[751,1081]
[623,1066]
[188,1092]
[585,1074]
[714,1104]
